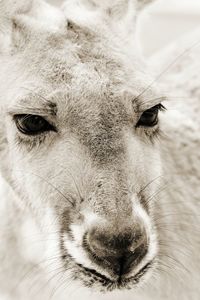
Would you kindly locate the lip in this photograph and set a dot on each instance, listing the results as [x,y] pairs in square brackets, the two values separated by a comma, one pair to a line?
[96,274]
[141,272]
[121,282]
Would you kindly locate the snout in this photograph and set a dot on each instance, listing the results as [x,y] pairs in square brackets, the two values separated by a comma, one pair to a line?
[116,250]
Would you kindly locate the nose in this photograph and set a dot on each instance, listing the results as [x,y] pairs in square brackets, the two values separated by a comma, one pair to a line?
[118,252]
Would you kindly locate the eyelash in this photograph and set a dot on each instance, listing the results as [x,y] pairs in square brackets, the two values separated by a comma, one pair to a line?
[151,133]
[32,124]
[152,112]
[31,141]
[144,126]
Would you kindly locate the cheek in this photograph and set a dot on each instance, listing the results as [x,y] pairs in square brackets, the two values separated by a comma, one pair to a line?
[152,162]
[144,163]
[49,177]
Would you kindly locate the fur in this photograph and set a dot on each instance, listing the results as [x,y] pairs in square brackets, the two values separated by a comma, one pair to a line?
[83,72]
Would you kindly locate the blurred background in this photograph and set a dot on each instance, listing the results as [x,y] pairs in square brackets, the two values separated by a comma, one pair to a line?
[164,21]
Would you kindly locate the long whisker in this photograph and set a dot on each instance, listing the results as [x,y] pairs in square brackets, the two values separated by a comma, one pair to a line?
[186,51]
[54,187]
[27,274]
[75,183]
[151,197]
[149,183]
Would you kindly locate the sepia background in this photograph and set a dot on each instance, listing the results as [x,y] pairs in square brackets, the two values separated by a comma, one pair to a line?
[164,22]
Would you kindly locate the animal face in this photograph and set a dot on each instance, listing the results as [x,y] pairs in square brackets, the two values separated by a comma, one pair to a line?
[80,143]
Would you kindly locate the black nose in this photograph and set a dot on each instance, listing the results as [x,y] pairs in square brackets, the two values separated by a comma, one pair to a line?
[117,252]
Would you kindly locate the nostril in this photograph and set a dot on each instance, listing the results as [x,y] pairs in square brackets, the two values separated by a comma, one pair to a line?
[132,259]
[124,264]
[111,242]
[105,244]
[118,253]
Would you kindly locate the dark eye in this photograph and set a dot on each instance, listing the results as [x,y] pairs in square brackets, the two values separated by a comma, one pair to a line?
[32,124]
[149,118]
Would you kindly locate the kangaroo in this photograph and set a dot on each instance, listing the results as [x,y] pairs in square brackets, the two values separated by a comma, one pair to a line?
[99,171]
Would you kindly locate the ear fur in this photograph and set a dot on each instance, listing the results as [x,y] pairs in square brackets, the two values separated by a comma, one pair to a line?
[143,3]
[31,14]
[120,15]
[110,10]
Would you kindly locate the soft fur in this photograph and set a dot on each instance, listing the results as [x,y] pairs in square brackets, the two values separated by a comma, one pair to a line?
[84,59]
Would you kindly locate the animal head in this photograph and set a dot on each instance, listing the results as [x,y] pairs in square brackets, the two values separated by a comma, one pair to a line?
[79,132]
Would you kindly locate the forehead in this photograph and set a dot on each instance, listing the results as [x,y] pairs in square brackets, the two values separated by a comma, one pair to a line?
[91,81]
[89,67]
[85,59]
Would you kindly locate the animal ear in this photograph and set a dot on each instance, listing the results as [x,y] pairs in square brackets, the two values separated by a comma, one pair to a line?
[8,9]
[96,10]
[120,14]
[19,18]
[143,3]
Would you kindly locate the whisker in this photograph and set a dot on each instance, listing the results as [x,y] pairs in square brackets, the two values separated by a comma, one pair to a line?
[149,183]
[49,183]
[75,183]
[157,78]
[28,274]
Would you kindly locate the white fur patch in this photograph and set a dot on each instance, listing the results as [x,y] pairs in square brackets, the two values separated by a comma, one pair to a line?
[75,249]
[152,249]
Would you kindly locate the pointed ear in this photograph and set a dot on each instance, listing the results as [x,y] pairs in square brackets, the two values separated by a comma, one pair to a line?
[143,3]
[120,14]
[8,9]
[18,19]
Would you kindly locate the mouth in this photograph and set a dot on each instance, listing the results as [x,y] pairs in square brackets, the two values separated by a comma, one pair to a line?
[91,277]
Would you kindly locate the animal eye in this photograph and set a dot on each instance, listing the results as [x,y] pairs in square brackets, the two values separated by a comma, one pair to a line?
[32,124]
[149,118]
